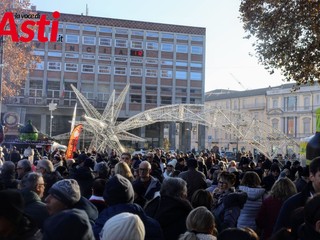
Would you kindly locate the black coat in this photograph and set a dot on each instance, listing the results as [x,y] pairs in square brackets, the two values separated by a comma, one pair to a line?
[171,212]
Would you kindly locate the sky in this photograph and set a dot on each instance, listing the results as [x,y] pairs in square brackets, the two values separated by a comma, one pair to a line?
[228,64]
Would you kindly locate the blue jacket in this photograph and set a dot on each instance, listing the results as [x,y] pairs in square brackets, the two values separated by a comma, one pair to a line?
[152,226]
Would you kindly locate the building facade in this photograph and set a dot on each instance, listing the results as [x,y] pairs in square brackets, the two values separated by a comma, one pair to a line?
[288,110]
[163,63]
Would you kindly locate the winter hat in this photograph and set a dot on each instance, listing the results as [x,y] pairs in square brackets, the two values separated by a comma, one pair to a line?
[173,163]
[67,191]
[70,224]
[122,227]
[118,190]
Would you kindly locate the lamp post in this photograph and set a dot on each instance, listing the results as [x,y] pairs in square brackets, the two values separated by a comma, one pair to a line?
[52,107]
[1,74]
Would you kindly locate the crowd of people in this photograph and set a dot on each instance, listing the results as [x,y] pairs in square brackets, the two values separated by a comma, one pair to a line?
[156,196]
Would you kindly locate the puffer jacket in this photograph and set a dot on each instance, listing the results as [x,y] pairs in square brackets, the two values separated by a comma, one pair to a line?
[251,207]
[227,210]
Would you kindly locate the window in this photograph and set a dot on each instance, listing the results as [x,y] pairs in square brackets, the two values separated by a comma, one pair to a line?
[181,75]
[275,123]
[166,100]
[121,31]
[54,54]
[152,61]
[136,72]
[105,29]
[71,67]
[120,70]
[151,73]
[72,55]
[88,56]
[39,65]
[181,64]
[104,57]
[72,39]
[166,73]
[306,103]
[152,46]
[136,44]
[121,43]
[167,35]
[72,27]
[196,49]
[136,60]
[274,103]
[136,98]
[196,65]
[197,38]
[151,99]
[89,28]
[306,125]
[87,68]
[152,34]
[195,75]
[88,40]
[105,42]
[54,66]
[137,33]
[38,53]
[182,37]
[182,48]
[151,88]
[290,126]
[104,69]
[120,59]
[167,62]
[290,103]
[166,47]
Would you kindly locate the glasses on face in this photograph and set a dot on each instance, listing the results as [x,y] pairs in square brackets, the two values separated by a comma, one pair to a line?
[143,169]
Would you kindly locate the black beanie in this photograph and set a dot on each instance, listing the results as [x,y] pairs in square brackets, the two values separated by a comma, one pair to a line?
[118,190]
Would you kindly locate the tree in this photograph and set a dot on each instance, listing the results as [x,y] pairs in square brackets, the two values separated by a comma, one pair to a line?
[17,57]
[287,36]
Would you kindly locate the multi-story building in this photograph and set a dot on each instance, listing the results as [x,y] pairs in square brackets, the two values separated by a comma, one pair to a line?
[163,63]
[283,108]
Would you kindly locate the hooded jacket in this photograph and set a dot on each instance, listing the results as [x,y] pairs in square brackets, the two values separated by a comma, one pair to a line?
[251,207]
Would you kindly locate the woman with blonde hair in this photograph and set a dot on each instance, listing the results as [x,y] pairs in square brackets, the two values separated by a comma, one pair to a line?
[123,169]
[282,189]
[200,225]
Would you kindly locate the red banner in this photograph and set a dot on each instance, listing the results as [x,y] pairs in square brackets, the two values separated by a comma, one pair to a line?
[73,141]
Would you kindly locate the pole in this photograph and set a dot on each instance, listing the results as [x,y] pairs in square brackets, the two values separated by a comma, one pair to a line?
[1,74]
[51,117]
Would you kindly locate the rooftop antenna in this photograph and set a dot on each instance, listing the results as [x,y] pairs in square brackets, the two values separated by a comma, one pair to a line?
[87,10]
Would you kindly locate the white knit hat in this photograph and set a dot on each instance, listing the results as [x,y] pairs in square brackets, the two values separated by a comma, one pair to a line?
[123,226]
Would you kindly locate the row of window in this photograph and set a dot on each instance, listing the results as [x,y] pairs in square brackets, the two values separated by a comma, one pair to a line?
[163,99]
[120,59]
[141,33]
[123,43]
[134,71]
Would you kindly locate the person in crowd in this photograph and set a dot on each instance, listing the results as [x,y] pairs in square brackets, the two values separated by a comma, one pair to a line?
[124,170]
[181,165]
[171,208]
[123,226]
[228,202]
[170,168]
[145,186]
[14,155]
[32,188]
[57,161]
[303,178]
[195,179]
[68,224]
[14,224]
[119,196]
[84,176]
[200,224]
[250,184]
[65,194]
[268,181]
[266,218]
[8,176]
[299,199]
[202,166]
[238,233]
[97,194]
[126,157]
[202,198]
[101,170]
[23,167]
[294,169]
[310,230]
[45,167]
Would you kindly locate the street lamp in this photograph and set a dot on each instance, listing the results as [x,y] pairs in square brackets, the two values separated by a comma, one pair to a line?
[52,107]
